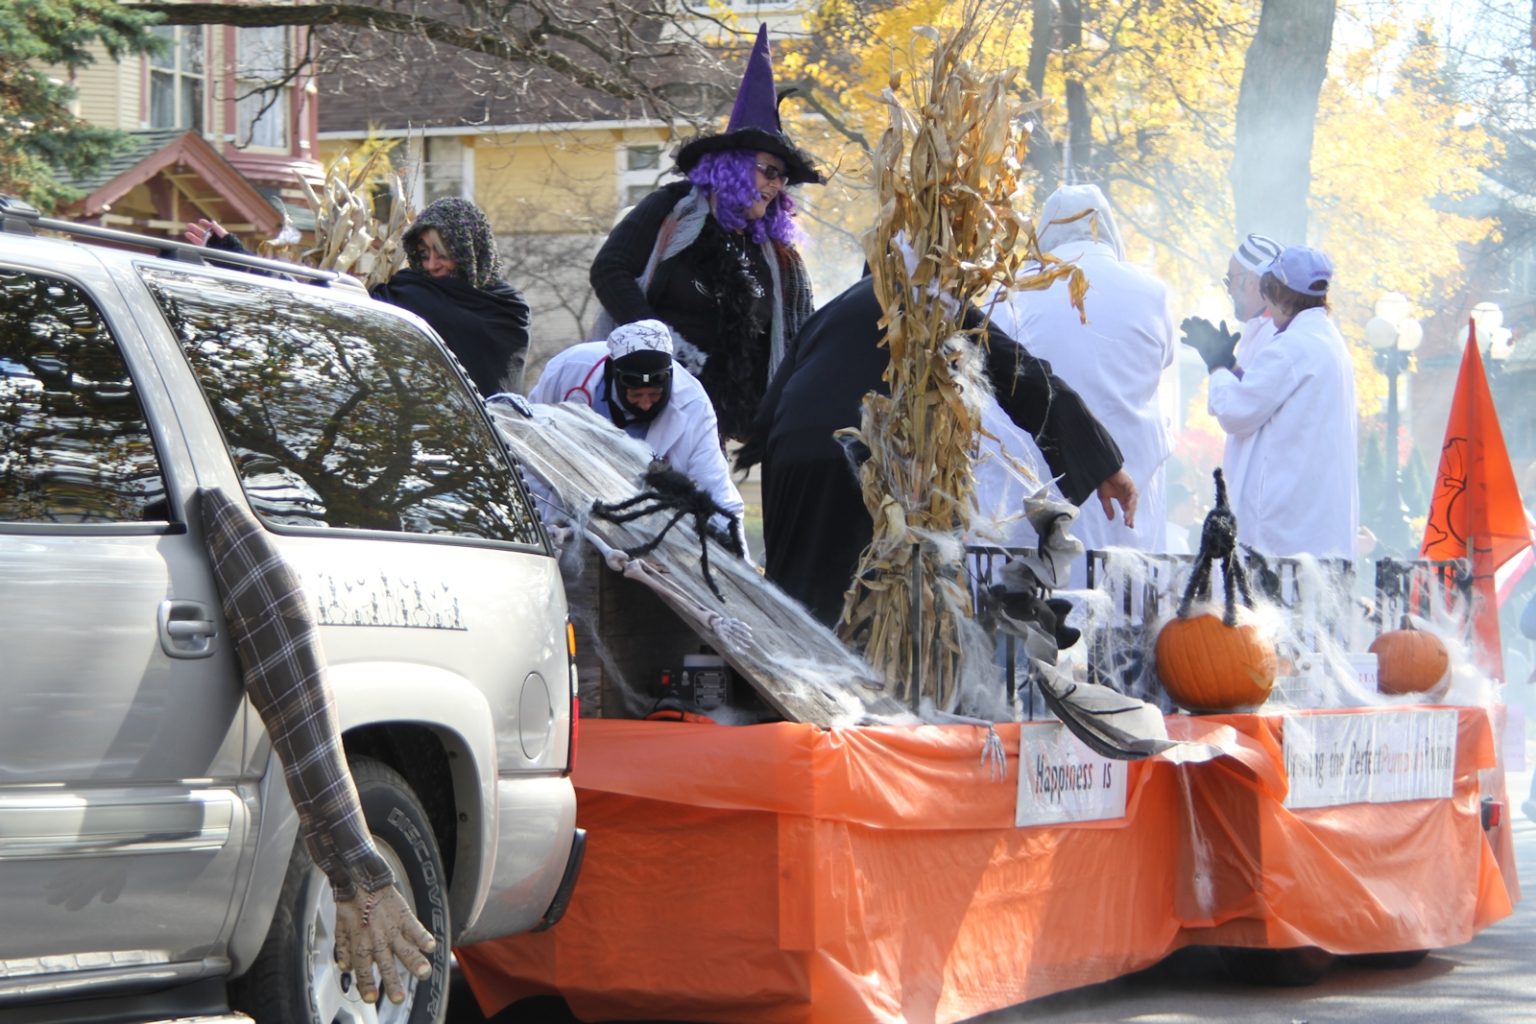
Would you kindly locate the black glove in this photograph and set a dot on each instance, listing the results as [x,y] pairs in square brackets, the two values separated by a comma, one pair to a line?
[1216,345]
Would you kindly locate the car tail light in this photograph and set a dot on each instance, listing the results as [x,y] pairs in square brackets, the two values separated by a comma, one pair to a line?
[575,723]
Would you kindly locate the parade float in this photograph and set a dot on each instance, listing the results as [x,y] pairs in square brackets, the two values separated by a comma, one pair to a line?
[938,813]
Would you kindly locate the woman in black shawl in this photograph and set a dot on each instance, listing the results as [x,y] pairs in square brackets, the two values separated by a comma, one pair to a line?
[453,282]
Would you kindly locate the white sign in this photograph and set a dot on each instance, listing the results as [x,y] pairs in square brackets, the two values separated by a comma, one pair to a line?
[1370,757]
[1061,780]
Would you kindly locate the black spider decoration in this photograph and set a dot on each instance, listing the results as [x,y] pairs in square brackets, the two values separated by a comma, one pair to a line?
[667,490]
[1218,542]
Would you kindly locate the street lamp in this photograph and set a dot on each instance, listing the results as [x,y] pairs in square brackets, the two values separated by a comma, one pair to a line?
[1493,338]
[1394,335]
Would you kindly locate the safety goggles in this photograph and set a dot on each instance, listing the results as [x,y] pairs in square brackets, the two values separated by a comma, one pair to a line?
[650,379]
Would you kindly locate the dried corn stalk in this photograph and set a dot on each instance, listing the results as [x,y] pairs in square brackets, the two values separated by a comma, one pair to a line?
[349,237]
[947,174]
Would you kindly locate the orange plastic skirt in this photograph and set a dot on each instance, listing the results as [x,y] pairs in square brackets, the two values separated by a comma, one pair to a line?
[789,873]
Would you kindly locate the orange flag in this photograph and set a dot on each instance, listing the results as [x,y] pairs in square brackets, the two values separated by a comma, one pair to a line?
[1476,512]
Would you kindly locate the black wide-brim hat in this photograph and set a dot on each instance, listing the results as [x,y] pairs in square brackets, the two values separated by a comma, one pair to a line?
[754,125]
[798,164]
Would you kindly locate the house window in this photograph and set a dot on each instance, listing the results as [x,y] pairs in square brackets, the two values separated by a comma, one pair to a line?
[639,171]
[442,168]
[642,158]
[262,87]
[176,79]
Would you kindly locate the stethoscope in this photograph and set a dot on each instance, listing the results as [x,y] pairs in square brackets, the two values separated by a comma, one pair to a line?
[582,389]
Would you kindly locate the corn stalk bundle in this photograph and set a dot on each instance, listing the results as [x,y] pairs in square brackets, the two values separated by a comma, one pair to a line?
[349,237]
[947,174]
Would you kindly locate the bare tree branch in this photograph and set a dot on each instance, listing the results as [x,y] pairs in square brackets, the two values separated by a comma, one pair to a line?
[645,51]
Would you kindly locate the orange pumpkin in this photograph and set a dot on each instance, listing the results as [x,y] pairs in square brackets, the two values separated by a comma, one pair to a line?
[1409,660]
[1206,665]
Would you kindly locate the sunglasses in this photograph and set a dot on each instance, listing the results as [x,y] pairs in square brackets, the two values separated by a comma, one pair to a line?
[773,173]
[653,379]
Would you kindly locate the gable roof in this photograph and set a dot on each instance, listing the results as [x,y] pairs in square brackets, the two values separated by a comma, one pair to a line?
[178,166]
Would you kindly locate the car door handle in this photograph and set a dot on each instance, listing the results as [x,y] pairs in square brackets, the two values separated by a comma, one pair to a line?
[186,629]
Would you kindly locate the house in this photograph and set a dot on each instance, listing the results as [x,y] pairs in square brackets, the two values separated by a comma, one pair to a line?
[217,130]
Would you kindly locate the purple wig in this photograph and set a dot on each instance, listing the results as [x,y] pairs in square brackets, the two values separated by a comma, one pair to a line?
[730,176]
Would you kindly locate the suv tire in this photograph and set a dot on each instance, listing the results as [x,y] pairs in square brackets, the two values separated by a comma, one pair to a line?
[294,978]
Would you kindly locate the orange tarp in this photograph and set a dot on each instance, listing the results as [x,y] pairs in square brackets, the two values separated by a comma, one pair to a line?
[788,873]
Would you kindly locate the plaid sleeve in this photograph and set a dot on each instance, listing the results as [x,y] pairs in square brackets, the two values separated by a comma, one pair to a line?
[274,635]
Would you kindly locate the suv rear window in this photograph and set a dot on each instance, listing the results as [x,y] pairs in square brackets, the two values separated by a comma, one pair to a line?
[342,416]
[74,444]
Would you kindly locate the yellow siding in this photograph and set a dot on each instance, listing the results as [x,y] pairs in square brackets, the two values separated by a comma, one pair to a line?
[107,92]
[110,93]
[562,182]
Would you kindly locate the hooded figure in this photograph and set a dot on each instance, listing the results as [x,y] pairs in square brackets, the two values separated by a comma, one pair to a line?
[453,283]
[713,256]
[632,380]
[1115,360]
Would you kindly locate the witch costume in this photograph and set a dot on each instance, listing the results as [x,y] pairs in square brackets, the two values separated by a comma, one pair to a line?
[734,305]
[483,319]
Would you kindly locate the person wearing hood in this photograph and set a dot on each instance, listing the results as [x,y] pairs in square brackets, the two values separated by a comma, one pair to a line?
[713,256]
[1245,268]
[1294,403]
[815,523]
[1113,355]
[452,281]
[633,381]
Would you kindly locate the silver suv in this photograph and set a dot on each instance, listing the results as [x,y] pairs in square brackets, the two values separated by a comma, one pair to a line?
[149,859]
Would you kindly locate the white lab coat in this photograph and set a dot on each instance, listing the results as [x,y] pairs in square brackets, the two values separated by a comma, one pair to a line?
[1115,362]
[1295,405]
[1238,453]
[1009,467]
[685,433]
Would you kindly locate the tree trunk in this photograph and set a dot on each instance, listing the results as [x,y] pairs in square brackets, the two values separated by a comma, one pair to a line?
[1042,30]
[1276,112]
[1042,155]
[1079,153]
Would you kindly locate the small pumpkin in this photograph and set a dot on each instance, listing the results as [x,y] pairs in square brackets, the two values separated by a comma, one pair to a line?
[1409,660]
[1208,663]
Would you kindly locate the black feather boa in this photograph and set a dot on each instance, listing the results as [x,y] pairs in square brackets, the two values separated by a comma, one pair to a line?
[736,374]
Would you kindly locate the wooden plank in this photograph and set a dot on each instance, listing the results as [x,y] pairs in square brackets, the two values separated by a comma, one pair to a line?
[799,667]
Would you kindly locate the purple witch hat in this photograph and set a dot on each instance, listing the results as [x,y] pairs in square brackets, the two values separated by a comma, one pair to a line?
[754,125]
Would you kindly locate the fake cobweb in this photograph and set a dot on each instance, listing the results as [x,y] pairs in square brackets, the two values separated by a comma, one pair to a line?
[1321,616]
[791,659]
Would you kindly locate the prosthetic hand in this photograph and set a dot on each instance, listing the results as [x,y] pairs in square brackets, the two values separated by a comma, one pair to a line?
[1119,488]
[1216,345]
[372,929]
